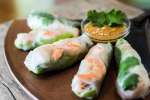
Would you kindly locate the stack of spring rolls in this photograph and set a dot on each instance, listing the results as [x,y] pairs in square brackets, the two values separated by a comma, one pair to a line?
[132,80]
[57,46]
[45,29]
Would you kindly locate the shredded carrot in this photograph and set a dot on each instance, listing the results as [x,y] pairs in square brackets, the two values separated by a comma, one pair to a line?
[73,45]
[87,76]
[57,53]
[48,33]
[96,66]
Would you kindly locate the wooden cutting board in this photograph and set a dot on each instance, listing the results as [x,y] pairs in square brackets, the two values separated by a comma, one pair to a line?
[52,85]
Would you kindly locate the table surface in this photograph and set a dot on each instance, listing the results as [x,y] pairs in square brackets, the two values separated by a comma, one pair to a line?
[9,89]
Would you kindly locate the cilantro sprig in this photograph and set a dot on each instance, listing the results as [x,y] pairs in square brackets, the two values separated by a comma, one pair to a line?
[111,18]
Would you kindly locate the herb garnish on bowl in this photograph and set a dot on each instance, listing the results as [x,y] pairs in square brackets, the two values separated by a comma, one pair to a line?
[111,18]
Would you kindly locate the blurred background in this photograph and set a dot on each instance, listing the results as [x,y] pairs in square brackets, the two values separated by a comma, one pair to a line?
[74,9]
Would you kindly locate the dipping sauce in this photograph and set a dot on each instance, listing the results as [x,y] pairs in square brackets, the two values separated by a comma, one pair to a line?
[104,33]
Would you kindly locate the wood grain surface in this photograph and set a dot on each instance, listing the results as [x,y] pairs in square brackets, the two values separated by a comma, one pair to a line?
[9,89]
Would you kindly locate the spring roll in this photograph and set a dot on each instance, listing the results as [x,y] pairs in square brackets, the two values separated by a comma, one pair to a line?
[42,20]
[24,41]
[132,80]
[59,55]
[56,31]
[39,20]
[87,81]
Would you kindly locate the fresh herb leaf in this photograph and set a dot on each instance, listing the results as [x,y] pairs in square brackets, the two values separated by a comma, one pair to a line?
[111,18]
[126,65]
[115,17]
[97,18]
[102,19]
[131,82]
[45,17]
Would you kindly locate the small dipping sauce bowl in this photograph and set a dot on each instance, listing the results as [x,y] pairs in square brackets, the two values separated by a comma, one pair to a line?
[105,33]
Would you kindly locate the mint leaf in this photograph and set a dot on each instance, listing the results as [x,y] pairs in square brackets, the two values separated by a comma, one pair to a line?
[45,17]
[115,17]
[131,82]
[97,18]
[111,18]
[101,21]
[130,62]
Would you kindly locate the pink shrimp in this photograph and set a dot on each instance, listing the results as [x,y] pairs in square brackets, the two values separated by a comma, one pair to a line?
[57,53]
